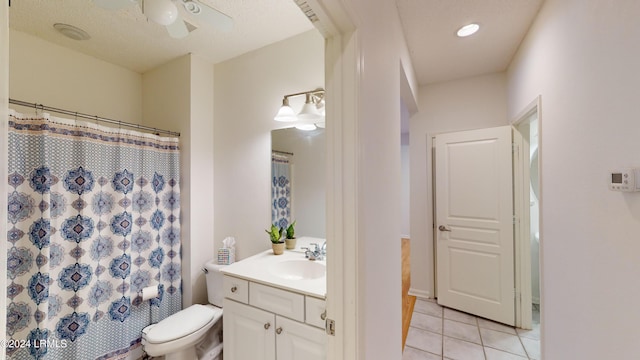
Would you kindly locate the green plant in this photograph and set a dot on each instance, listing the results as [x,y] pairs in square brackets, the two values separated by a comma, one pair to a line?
[275,234]
[291,232]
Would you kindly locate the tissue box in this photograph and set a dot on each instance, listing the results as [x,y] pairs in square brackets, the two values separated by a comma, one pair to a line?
[226,256]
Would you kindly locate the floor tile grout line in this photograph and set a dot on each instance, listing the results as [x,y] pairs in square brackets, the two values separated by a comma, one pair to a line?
[524,347]
[484,351]
[424,351]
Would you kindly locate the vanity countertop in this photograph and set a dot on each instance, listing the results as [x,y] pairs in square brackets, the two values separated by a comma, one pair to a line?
[260,268]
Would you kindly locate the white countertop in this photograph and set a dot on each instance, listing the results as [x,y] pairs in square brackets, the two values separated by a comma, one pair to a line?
[256,269]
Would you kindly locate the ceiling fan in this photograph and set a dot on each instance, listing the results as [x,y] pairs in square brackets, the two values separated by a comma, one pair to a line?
[165,12]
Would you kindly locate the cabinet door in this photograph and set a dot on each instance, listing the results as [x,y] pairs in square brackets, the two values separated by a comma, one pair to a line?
[296,341]
[249,333]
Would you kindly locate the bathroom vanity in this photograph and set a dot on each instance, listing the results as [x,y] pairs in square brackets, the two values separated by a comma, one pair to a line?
[274,307]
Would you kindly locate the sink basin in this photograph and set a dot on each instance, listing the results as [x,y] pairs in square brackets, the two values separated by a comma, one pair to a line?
[298,270]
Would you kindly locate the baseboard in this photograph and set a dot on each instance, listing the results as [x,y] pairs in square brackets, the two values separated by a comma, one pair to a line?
[420,294]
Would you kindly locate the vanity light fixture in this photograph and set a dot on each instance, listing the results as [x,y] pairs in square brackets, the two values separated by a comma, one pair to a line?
[286,113]
[468,30]
[312,110]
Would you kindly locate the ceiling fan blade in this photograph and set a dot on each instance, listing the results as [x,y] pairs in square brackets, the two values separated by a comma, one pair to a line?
[114,4]
[212,16]
[178,29]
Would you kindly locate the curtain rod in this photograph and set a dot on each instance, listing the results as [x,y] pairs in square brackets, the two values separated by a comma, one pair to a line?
[92,117]
[282,152]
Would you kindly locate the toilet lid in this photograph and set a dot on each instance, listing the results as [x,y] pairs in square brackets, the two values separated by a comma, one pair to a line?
[182,323]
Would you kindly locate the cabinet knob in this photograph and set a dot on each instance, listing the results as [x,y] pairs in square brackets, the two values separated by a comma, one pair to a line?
[267,326]
[234,289]
[323,316]
[279,331]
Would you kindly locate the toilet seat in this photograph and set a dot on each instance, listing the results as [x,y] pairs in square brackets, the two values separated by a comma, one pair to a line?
[180,330]
[181,324]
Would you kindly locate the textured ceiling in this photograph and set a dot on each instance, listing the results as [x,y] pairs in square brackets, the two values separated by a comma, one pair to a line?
[126,38]
[439,55]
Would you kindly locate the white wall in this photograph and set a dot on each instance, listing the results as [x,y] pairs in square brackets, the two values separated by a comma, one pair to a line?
[248,93]
[308,178]
[45,73]
[178,96]
[405,159]
[582,57]
[470,103]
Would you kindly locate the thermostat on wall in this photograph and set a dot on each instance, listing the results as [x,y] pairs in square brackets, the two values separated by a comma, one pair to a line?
[627,180]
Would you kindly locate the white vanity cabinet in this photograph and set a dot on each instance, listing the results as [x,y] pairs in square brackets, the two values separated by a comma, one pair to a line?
[295,341]
[249,333]
[272,324]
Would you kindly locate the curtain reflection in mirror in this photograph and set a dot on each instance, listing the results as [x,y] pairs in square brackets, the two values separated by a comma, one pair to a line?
[281,163]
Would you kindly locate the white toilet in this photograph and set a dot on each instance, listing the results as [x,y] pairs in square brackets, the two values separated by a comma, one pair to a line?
[176,337]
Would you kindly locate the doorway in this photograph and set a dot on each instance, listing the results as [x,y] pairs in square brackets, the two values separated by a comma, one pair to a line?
[529,209]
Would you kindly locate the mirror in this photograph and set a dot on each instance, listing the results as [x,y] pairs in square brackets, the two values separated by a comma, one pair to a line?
[303,152]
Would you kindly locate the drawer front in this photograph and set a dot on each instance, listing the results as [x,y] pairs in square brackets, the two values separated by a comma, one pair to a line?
[236,289]
[278,301]
[315,312]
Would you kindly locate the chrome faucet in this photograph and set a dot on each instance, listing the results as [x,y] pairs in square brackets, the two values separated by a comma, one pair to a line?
[318,253]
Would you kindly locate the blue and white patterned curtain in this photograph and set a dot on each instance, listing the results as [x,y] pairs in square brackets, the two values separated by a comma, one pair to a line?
[280,190]
[93,217]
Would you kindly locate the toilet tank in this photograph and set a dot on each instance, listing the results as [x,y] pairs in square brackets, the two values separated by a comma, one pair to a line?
[214,283]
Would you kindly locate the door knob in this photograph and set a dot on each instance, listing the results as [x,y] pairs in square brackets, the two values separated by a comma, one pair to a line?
[443,228]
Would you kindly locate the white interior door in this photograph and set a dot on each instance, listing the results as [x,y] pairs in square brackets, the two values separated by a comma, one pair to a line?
[474,222]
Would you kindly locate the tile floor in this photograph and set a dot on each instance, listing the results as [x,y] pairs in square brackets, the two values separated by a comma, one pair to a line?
[440,333]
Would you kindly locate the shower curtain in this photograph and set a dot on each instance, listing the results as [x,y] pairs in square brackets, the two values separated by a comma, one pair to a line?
[280,190]
[93,217]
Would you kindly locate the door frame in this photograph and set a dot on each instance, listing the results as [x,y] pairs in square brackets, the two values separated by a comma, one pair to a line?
[4,112]
[522,211]
[342,74]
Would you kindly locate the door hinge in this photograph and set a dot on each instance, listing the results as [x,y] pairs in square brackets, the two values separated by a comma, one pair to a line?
[517,295]
[516,220]
[330,327]
[514,148]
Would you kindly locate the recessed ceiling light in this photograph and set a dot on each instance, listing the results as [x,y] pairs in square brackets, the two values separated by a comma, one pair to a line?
[72,32]
[468,30]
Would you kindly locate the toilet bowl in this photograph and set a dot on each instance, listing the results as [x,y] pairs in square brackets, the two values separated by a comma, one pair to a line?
[176,336]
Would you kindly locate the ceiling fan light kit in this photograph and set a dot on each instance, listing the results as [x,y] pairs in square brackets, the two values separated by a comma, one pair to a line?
[163,12]
[166,13]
